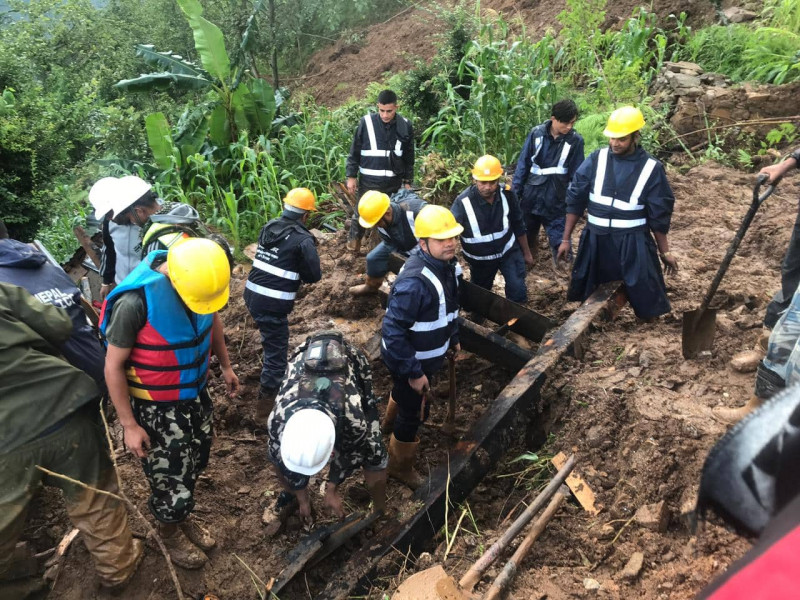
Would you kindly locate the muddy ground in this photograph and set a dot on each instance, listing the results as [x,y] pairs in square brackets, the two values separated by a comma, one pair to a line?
[637,415]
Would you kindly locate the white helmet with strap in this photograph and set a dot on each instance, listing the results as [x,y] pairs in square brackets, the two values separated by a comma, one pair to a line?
[307,441]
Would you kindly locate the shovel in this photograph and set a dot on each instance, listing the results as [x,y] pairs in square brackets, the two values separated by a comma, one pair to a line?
[699,325]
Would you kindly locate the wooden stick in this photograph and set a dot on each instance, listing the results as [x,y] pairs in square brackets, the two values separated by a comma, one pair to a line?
[506,576]
[86,244]
[473,575]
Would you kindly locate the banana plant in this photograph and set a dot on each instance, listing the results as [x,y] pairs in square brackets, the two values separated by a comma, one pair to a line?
[236,100]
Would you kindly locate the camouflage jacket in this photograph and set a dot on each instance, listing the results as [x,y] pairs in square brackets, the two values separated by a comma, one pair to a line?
[348,399]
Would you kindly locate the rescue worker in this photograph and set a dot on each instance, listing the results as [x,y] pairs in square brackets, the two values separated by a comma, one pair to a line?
[22,265]
[286,256]
[628,199]
[381,157]
[48,417]
[495,236]
[133,201]
[326,404]
[395,222]
[790,268]
[550,156]
[419,327]
[161,326]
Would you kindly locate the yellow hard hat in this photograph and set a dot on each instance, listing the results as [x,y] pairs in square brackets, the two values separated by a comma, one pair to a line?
[301,198]
[624,121]
[372,206]
[436,222]
[487,168]
[200,272]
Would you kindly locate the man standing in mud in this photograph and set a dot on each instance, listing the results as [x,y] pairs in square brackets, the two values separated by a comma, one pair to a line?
[628,198]
[419,328]
[394,220]
[325,404]
[161,326]
[381,157]
[552,153]
[285,257]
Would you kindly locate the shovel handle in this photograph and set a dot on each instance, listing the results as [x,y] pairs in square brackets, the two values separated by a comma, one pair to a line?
[737,239]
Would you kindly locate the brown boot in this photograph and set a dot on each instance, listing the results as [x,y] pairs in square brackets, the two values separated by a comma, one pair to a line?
[376,485]
[729,416]
[181,550]
[265,402]
[118,585]
[388,419]
[370,286]
[401,462]
[354,246]
[197,534]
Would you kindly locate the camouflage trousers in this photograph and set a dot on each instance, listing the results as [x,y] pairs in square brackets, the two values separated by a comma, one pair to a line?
[180,443]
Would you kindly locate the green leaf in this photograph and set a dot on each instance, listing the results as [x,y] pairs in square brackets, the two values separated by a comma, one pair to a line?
[159,137]
[192,130]
[265,103]
[175,63]
[208,41]
[219,129]
[153,81]
[244,108]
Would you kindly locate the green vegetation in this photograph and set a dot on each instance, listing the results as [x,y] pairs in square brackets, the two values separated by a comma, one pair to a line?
[208,128]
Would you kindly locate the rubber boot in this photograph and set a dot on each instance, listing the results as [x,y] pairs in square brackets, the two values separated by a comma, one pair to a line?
[376,485]
[197,534]
[370,286]
[181,550]
[265,402]
[354,246]
[730,416]
[388,419]
[401,462]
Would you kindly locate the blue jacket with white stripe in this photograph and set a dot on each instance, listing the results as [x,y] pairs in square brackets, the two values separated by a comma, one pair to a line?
[421,324]
[544,170]
[382,154]
[490,230]
[622,193]
[286,256]
[405,207]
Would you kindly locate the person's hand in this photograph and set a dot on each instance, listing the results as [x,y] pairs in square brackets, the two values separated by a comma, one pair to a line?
[136,440]
[304,507]
[105,290]
[563,250]
[231,381]
[670,263]
[774,172]
[528,260]
[352,185]
[333,501]
[420,385]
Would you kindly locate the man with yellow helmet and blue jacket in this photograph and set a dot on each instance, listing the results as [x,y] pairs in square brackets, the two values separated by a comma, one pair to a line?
[161,326]
[419,328]
[629,203]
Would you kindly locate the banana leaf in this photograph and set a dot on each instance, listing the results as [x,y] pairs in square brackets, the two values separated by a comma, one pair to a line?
[175,63]
[208,41]
[219,129]
[191,130]
[264,104]
[159,137]
[151,81]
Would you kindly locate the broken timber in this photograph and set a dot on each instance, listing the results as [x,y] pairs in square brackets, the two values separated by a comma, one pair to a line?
[473,457]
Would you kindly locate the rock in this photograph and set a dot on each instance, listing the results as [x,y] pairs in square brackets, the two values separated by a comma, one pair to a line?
[595,436]
[591,584]
[606,532]
[634,566]
[736,14]
[245,489]
[687,515]
[653,516]
[683,67]
[424,561]
[747,361]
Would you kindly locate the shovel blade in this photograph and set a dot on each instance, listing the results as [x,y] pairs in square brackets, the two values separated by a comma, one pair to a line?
[698,331]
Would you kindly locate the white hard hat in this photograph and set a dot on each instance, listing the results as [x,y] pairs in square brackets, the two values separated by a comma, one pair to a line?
[102,195]
[307,441]
[129,189]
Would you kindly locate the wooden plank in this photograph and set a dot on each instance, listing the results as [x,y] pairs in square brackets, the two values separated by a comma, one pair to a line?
[580,489]
[487,344]
[496,308]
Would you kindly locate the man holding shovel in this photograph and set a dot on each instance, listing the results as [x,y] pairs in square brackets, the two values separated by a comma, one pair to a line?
[325,404]
[629,203]
[419,328]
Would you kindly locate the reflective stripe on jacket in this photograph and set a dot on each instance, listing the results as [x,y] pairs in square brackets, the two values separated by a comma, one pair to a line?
[485,239]
[169,360]
[613,208]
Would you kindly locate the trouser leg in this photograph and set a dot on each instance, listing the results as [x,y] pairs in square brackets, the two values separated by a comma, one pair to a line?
[378,260]
[409,407]
[790,278]
[512,266]
[482,272]
[274,329]
[18,479]
[532,225]
[180,443]
[555,233]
